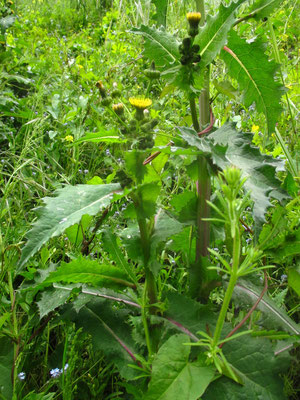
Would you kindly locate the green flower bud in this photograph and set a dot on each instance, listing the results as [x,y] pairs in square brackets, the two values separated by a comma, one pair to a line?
[195,48]
[185,60]
[232,176]
[106,101]
[186,43]
[116,93]
[145,142]
[152,74]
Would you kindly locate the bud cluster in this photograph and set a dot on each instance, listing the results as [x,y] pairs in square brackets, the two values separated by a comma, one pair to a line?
[108,96]
[187,49]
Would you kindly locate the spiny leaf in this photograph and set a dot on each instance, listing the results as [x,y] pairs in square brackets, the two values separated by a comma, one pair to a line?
[260,169]
[198,317]
[131,241]
[255,74]
[83,270]
[71,203]
[254,361]
[165,226]
[51,299]
[213,35]
[227,147]
[263,8]
[160,46]
[174,376]
[115,253]
[273,316]
[94,317]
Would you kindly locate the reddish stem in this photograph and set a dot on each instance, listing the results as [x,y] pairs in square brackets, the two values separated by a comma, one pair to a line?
[210,126]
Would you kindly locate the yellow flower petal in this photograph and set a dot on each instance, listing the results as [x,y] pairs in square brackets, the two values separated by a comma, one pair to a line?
[193,17]
[69,138]
[140,103]
[255,128]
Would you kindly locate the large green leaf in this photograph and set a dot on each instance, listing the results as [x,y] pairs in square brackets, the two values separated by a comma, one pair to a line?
[255,74]
[71,203]
[84,270]
[112,247]
[164,227]
[174,377]
[273,317]
[263,8]
[213,35]
[260,169]
[198,317]
[254,360]
[160,46]
[109,331]
[52,299]
[228,147]
[131,241]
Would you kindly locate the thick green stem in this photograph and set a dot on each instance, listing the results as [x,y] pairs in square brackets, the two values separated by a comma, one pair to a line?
[197,272]
[230,288]
[194,115]
[150,284]
[203,191]
[150,280]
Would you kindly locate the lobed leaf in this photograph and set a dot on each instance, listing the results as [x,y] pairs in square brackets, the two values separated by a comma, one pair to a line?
[84,270]
[115,253]
[255,74]
[260,169]
[213,35]
[159,46]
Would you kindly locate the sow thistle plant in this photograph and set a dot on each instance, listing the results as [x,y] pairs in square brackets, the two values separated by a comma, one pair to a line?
[155,325]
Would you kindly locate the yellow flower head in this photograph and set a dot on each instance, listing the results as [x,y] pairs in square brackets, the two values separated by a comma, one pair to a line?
[69,138]
[255,129]
[140,104]
[193,17]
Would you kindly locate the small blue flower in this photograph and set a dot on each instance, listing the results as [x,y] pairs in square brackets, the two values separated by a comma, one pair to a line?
[22,376]
[55,373]
[283,278]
